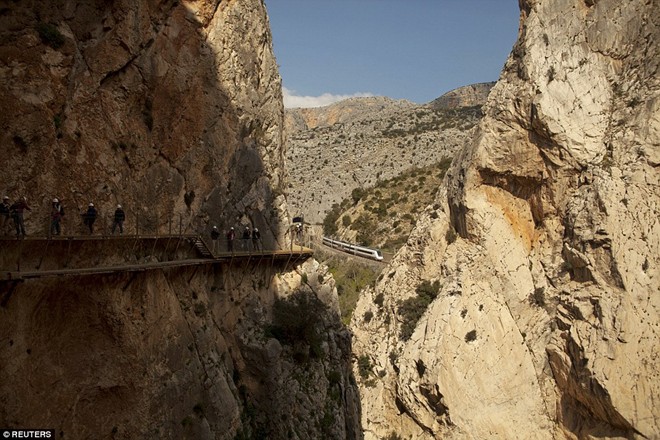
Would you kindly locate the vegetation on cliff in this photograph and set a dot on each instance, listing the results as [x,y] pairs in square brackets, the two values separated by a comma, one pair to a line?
[384,215]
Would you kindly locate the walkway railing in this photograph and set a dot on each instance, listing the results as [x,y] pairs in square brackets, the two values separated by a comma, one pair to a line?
[35,257]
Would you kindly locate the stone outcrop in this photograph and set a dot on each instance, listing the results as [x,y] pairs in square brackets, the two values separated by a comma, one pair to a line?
[466,96]
[173,109]
[546,249]
[360,141]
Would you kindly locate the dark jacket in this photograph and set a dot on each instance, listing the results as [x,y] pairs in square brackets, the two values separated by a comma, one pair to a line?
[90,215]
[19,207]
[120,216]
[215,234]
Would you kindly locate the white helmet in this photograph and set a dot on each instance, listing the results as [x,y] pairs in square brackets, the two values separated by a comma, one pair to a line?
[55,200]
[90,205]
[215,227]
[5,198]
[118,206]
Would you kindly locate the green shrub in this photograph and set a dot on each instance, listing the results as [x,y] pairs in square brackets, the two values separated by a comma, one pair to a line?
[379,299]
[412,309]
[330,221]
[451,235]
[50,35]
[350,277]
[346,220]
[364,366]
[538,297]
[471,336]
[334,377]
[368,315]
[297,321]
[357,194]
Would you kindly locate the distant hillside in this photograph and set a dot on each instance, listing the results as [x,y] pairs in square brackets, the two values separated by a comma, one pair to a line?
[359,142]
[383,216]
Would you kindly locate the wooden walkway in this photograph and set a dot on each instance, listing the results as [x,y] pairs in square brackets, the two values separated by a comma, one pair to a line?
[205,256]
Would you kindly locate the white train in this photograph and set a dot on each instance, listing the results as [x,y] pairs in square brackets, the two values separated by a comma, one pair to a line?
[361,251]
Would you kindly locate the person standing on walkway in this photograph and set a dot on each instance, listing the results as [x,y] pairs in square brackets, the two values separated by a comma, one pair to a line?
[4,215]
[16,210]
[90,217]
[231,235]
[56,214]
[256,240]
[215,234]
[119,218]
[246,238]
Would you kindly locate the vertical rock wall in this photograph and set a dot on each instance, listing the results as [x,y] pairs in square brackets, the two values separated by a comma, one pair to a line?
[545,323]
[182,353]
[173,109]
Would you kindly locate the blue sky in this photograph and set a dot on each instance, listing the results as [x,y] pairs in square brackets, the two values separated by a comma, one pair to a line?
[329,50]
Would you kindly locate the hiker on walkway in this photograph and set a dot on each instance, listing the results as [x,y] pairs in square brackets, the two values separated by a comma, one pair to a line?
[231,235]
[215,234]
[16,211]
[246,238]
[256,240]
[56,214]
[89,217]
[119,218]
[4,215]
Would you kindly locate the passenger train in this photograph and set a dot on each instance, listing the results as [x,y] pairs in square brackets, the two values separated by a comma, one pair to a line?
[361,251]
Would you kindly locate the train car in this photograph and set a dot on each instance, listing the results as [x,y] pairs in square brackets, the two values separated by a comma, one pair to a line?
[374,254]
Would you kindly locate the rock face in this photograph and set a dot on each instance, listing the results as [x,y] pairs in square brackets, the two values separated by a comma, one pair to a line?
[466,96]
[358,142]
[182,353]
[546,249]
[173,109]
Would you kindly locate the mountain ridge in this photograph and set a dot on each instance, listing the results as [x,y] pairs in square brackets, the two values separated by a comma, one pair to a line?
[358,142]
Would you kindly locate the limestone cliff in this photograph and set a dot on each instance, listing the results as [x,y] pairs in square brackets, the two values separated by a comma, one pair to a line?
[544,319]
[187,353]
[173,109]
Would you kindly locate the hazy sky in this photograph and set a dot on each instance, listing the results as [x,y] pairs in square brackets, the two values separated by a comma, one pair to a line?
[329,50]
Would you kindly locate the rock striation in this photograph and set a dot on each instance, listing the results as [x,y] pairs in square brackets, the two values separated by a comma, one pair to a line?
[545,249]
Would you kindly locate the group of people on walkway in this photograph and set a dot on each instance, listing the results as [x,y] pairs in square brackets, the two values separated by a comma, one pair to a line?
[14,213]
[248,237]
